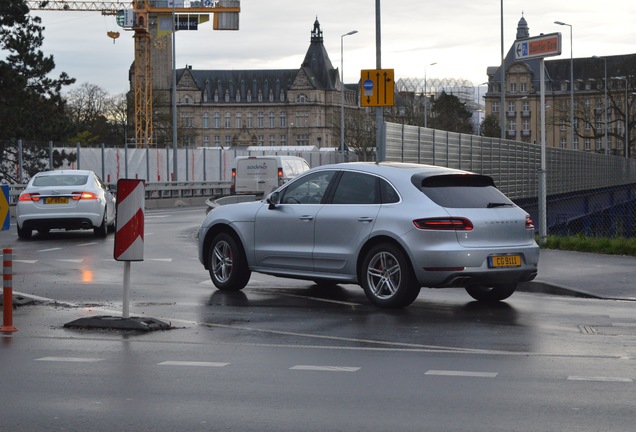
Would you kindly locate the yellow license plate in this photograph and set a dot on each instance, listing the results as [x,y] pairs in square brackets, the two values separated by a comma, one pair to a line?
[60,200]
[498,261]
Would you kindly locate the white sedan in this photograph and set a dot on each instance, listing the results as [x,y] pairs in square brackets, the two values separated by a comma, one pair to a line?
[65,199]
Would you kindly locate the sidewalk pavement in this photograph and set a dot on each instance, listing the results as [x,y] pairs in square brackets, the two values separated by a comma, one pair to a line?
[584,274]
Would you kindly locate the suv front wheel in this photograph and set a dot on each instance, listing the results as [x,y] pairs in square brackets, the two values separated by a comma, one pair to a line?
[227,263]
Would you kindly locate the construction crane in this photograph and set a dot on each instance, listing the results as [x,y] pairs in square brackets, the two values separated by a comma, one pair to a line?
[135,16]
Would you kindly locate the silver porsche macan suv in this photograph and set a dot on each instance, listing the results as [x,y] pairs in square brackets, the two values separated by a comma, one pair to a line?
[390,227]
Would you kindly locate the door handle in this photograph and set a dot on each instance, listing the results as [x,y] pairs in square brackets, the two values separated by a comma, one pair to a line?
[365,219]
[307,218]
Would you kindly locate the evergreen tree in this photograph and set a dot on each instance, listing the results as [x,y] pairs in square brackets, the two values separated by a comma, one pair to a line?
[489,127]
[450,114]
[31,104]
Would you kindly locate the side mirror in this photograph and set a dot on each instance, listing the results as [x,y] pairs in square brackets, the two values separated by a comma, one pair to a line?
[273,199]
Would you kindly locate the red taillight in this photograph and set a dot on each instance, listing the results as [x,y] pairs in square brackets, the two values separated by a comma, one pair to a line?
[280,176]
[444,224]
[83,196]
[233,184]
[529,223]
[29,197]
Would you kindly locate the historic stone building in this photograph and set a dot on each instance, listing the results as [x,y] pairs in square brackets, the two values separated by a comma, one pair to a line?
[283,107]
[522,100]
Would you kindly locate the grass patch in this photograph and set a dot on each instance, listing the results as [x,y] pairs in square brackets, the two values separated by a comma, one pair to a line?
[601,245]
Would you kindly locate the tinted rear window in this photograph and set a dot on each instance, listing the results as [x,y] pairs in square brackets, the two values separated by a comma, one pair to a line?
[462,191]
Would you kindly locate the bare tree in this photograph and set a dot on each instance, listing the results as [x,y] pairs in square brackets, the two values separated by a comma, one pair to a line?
[86,104]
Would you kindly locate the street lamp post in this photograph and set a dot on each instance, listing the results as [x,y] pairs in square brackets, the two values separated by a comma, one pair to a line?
[571,84]
[605,103]
[479,110]
[342,135]
[626,116]
[426,97]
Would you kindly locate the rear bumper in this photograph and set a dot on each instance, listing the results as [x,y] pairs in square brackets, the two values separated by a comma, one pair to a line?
[440,269]
[60,223]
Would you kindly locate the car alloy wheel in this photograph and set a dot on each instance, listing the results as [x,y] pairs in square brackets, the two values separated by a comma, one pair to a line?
[227,264]
[388,279]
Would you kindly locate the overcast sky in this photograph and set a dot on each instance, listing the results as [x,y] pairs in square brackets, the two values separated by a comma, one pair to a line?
[462,36]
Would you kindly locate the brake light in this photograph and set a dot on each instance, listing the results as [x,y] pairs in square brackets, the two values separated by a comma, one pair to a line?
[233,185]
[29,197]
[529,223]
[444,224]
[83,196]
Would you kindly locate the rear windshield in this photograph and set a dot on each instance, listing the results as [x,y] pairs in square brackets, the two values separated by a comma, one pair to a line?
[60,180]
[462,191]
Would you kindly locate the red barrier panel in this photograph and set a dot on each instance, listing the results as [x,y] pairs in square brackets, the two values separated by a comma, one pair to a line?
[129,236]
[7,291]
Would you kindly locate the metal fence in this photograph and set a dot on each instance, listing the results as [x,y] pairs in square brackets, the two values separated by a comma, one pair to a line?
[513,165]
[584,189]
[158,164]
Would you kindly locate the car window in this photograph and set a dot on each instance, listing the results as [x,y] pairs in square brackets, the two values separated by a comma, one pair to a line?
[308,190]
[60,180]
[388,193]
[462,191]
[356,188]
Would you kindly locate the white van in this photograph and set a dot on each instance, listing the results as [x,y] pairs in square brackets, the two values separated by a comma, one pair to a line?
[263,174]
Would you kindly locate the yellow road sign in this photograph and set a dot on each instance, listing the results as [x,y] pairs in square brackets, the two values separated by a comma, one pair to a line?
[4,208]
[377,88]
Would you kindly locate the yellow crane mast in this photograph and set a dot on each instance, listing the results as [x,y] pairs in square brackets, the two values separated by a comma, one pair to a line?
[134,15]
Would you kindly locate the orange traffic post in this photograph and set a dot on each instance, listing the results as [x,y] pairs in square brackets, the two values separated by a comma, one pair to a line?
[7,292]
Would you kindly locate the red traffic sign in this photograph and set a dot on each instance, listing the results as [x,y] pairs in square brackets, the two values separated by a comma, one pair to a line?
[539,46]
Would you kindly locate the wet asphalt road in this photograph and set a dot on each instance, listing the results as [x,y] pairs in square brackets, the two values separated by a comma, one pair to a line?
[283,355]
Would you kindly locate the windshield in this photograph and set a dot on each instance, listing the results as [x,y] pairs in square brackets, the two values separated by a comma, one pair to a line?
[462,191]
[60,180]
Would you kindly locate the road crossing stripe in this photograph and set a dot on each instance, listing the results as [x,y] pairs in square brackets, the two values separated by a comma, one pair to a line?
[70,359]
[325,368]
[192,363]
[462,373]
[601,379]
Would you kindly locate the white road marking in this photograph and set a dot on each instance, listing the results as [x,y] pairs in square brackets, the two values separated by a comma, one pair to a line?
[87,244]
[25,261]
[74,260]
[192,363]
[599,379]
[49,250]
[70,359]
[325,368]
[160,259]
[462,373]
